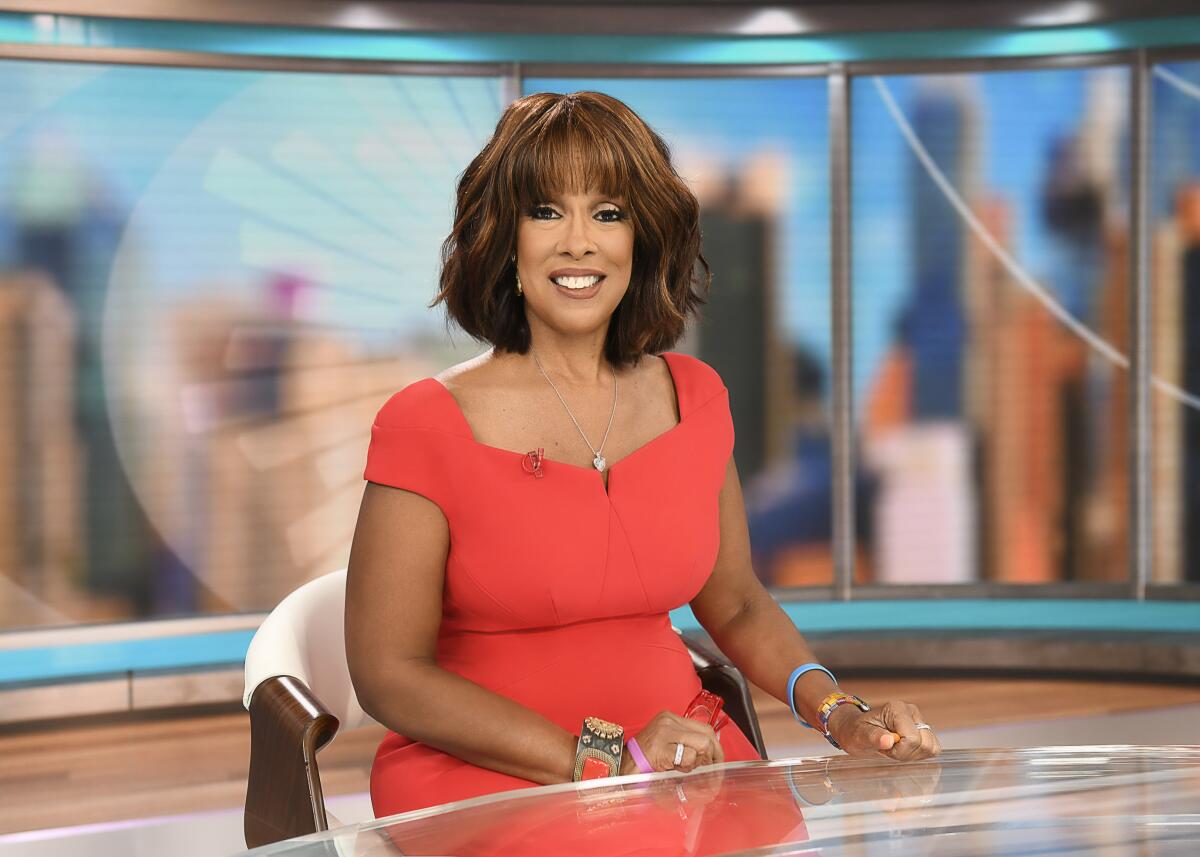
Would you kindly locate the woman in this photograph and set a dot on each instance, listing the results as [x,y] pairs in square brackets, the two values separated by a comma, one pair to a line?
[532,514]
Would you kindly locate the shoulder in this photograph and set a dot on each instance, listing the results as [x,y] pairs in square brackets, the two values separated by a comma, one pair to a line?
[430,403]
[701,379]
[417,405]
[482,371]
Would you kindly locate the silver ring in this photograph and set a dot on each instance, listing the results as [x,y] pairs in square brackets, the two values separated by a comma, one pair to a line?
[924,726]
[678,753]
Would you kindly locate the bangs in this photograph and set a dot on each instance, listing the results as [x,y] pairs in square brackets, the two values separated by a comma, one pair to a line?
[570,151]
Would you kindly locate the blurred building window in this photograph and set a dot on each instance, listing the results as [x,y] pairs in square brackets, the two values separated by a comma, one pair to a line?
[210,280]
[992,419]
[1175,345]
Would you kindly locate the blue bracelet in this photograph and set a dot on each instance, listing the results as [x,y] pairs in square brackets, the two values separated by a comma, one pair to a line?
[791,689]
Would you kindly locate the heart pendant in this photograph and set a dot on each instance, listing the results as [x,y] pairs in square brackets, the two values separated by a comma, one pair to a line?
[599,462]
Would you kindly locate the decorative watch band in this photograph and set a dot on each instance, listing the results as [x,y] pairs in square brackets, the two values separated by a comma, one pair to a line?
[827,706]
[598,753]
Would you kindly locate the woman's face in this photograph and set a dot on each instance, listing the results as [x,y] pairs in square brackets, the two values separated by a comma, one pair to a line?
[575,257]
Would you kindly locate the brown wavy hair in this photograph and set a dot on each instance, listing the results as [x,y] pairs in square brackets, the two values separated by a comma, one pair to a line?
[546,143]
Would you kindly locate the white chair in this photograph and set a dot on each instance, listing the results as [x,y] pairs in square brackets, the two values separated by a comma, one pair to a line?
[299,695]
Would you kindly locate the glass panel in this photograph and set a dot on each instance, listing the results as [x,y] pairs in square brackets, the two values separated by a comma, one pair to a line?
[1175,344]
[755,151]
[990,317]
[209,282]
[1103,800]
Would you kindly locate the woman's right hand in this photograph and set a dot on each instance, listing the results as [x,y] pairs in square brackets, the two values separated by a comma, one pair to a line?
[659,737]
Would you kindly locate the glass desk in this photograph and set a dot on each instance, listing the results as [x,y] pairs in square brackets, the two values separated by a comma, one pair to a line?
[1117,800]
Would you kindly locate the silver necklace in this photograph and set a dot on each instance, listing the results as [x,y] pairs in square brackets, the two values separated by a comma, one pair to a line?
[598,461]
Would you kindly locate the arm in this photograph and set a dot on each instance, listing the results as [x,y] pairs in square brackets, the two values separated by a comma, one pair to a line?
[393,611]
[755,633]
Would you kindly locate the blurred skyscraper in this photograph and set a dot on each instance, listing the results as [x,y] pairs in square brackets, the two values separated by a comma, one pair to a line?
[735,328]
[918,442]
[41,539]
[1189,335]
[1175,277]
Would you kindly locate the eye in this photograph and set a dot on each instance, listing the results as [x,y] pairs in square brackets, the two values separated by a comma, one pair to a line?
[610,215]
[542,212]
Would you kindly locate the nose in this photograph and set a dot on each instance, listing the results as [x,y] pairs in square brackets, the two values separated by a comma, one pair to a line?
[577,236]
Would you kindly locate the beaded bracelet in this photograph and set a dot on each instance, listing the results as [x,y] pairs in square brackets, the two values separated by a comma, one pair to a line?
[829,703]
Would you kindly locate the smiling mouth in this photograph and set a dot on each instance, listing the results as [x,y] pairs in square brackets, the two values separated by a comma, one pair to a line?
[576,283]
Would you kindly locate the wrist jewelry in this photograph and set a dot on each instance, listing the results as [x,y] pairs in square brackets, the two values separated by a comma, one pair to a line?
[791,688]
[829,703]
[639,758]
[598,753]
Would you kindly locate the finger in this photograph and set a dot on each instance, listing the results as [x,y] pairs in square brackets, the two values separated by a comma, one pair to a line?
[709,747]
[900,717]
[868,742]
[669,756]
[694,726]
[925,746]
[872,739]
[695,752]
[903,718]
[709,753]
[930,746]
[712,753]
[688,762]
[664,756]
[919,749]
[908,750]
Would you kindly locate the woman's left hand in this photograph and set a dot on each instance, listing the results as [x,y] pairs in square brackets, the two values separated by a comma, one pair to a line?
[874,732]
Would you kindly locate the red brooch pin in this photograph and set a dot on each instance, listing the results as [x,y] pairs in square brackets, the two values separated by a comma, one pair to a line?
[532,462]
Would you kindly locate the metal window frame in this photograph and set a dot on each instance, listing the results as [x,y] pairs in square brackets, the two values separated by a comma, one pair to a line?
[972,65]
[845,465]
[241,62]
[1140,309]
[682,70]
[839,77]
[1155,56]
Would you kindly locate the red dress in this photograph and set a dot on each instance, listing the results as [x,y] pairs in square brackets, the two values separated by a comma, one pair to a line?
[544,575]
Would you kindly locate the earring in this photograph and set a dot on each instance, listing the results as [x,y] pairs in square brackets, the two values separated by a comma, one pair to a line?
[519,292]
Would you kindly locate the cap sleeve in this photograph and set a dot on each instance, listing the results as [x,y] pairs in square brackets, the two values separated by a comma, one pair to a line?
[703,393]
[725,432]
[409,449]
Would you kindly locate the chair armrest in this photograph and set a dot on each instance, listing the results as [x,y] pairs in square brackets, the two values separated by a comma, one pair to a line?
[718,675]
[288,725]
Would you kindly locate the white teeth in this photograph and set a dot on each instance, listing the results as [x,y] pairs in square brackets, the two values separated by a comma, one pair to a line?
[576,282]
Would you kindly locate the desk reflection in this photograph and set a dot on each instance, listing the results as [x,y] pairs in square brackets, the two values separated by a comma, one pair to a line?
[1085,800]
